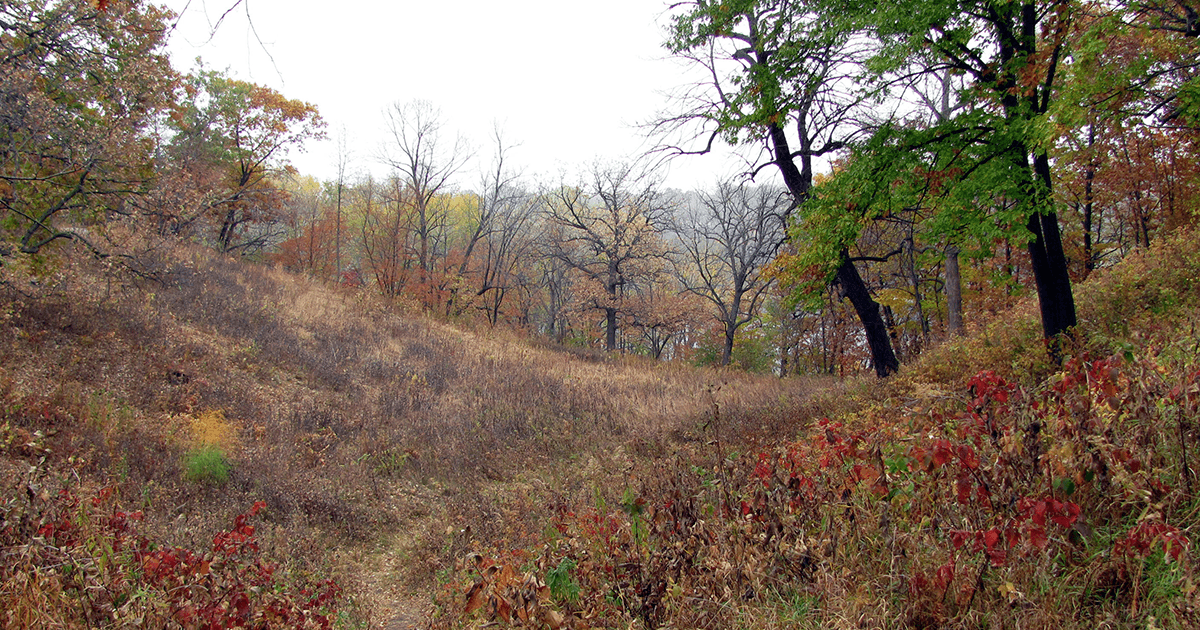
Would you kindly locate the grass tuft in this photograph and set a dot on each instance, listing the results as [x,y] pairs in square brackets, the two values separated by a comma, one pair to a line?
[207,464]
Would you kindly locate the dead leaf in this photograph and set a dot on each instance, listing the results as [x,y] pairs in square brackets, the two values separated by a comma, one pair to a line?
[504,609]
[475,597]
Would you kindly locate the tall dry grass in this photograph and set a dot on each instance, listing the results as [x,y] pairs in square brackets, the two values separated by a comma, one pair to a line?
[375,436]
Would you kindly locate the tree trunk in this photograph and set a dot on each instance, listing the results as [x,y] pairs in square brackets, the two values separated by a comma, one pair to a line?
[799,183]
[731,320]
[610,329]
[225,238]
[867,309]
[953,292]
[727,347]
[337,249]
[1050,273]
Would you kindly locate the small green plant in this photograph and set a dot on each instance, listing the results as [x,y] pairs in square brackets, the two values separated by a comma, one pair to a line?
[207,464]
[793,607]
[562,586]
[635,506]
[389,461]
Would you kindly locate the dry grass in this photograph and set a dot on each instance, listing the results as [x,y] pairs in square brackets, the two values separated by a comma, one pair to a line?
[983,487]
[379,440]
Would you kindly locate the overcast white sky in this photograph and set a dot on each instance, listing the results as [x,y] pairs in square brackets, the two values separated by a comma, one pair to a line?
[567,81]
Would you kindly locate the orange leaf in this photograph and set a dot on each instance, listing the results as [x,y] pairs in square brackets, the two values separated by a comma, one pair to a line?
[504,609]
[474,597]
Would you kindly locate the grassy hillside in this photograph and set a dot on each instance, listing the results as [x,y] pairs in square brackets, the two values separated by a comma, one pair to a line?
[210,442]
[216,444]
[983,487]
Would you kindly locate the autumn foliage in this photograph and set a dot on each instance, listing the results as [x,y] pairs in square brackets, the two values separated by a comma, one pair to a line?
[83,559]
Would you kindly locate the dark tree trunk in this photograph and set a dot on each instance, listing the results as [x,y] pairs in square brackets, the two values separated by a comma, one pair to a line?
[225,238]
[1050,273]
[867,309]
[953,292]
[731,322]
[799,182]
[610,329]
[727,347]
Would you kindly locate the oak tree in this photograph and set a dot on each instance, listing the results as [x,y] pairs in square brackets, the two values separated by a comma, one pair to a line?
[608,231]
[235,136]
[80,86]
[779,76]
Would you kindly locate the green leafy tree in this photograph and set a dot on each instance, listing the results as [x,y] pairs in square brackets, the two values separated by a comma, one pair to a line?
[779,76]
[988,166]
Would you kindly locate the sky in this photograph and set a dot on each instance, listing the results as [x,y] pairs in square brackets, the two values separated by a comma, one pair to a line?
[567,83]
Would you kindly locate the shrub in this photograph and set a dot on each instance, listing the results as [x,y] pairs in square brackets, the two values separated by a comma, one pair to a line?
[77,562]
[562,586]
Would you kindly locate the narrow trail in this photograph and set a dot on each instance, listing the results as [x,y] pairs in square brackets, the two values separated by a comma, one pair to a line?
[407,616]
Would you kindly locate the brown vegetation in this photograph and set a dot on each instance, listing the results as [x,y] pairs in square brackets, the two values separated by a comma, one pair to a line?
[982,488]
[375,437]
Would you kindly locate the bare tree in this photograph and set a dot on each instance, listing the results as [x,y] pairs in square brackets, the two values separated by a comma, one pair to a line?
[609,231]
[504,229]
[425,166]
[343,159]
[727,240]
[384,234]
[495,226]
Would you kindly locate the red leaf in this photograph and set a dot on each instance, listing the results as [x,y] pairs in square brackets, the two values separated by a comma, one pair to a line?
[1067,515]
[968,457]
[945,574]
[1013,536]
[963,487]
[1039,513]
[1037,538]
[941,453]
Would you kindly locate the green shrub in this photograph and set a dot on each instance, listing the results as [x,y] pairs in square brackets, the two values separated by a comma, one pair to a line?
[207,464]
[562,586]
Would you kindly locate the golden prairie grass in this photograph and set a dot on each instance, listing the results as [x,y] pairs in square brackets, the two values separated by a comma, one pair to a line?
[211,428]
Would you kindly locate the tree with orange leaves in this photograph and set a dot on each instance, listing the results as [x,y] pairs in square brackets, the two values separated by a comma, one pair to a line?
[233,136]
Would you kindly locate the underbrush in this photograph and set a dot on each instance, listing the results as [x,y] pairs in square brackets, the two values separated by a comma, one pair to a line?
[1153,292]
[984,487]
[1073,504]
[373,436]
[72,561]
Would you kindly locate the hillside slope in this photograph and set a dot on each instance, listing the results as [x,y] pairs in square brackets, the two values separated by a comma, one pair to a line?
[358,441]
[983,487]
